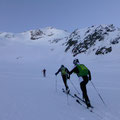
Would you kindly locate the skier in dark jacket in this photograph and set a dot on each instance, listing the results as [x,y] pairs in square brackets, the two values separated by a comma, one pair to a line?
[82,71]
[65,75]
[44,72]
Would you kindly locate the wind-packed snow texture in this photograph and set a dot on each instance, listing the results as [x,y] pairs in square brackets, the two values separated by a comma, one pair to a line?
[26,95]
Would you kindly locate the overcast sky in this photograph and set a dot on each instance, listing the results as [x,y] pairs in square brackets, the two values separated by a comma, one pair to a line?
[22,15]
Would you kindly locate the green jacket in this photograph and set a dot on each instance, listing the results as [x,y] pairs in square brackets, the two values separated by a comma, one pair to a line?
[81,70]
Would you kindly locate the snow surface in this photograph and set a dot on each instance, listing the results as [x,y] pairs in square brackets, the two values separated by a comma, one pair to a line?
[26,95]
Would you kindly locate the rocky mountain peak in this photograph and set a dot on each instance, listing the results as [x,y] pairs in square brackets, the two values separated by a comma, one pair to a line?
[98,38]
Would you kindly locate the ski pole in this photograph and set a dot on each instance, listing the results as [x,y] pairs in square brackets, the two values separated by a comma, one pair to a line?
[98,93]
[56,84]
[74,87]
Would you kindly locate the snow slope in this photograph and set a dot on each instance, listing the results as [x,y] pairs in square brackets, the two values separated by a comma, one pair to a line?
[26,95]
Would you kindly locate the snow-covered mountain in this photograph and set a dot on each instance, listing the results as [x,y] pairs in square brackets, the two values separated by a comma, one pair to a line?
[96,39]
[26,95]
[48,34]
[41,40]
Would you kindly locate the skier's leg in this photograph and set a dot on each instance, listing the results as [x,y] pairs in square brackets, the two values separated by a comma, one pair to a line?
[65,82]
[84,90]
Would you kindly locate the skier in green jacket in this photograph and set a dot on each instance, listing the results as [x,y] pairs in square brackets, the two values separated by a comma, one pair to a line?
[65,75]
[82,71]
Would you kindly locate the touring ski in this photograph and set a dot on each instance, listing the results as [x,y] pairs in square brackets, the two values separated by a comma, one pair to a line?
[68,93]
[81,102]
[80,99]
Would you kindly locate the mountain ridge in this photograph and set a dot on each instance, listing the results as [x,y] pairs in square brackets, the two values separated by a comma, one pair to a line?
[99,39]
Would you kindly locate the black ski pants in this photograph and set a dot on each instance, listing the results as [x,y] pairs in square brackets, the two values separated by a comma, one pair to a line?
[64,77]
[84,90]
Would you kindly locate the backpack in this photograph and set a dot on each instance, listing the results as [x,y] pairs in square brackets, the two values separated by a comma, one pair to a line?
[83,70]
[63,71]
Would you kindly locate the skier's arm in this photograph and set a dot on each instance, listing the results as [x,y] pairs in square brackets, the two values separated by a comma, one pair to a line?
[57,71]
[75,70]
